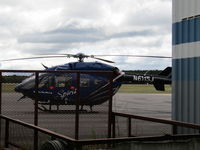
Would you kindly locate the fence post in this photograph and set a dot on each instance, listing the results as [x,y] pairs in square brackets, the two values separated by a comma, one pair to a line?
[129,126]
[7,134]
[113,125]
[77,107]
[174,128]
[110,104]
[36,111]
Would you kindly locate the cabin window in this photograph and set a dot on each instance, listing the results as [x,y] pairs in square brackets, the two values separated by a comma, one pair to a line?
[46,81]
[43,82]
[84,82]
[97,81]
[63,81]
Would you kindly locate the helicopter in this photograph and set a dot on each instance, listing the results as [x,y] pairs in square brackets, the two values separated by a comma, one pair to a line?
[61,88]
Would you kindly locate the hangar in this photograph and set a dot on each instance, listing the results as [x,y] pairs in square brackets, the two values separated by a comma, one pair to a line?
[186,61]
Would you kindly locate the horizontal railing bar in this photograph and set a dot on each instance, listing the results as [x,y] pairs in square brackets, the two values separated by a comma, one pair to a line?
[16,146]
[142,138]
[46,131]
[106,140]
[172,122]
[59,71]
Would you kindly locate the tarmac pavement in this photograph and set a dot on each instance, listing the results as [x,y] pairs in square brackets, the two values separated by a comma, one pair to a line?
[94,124]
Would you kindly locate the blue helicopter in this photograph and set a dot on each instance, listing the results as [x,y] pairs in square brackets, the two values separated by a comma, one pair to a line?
[61,89]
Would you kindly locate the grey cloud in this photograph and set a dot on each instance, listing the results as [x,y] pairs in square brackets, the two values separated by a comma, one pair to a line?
[76,35]
[142,65]
[133,34]
[58,38]
[48,48]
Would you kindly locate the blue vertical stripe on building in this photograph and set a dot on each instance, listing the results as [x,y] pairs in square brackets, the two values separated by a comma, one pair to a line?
[185,69]
[186,31]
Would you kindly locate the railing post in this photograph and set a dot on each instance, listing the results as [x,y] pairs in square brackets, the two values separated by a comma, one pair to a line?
[36,111]
[174,129]
[110,104]
[113,125]
[7,134]
[129,126]
[77,107]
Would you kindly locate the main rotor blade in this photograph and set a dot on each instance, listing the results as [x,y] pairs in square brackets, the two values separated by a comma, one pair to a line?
[151,56]
[26,58]
[103,60]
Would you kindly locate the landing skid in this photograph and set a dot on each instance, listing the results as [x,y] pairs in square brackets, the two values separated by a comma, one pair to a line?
[49,109]
[43,108]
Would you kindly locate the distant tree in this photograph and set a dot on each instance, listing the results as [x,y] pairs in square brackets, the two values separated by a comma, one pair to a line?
[13,79]
[142,72]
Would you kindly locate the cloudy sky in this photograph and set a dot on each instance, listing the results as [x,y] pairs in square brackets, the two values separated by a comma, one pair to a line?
[30,28]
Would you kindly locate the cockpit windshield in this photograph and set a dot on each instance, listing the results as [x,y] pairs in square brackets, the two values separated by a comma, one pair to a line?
[29,83]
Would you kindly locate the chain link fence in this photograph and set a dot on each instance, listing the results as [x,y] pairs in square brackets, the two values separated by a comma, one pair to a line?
[71,112]
[69,103]
[12,104]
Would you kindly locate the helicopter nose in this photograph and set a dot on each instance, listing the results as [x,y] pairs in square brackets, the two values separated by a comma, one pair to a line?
[18,88]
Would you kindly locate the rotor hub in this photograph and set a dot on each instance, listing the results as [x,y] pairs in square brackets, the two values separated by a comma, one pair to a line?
[81,57]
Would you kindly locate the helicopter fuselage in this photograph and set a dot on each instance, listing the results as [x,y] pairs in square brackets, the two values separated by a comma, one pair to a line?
[61,88]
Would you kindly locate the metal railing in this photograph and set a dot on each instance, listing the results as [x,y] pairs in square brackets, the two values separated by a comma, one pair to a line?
[76,114]
[173,123]
[107,143]
[35,129]
[11,129]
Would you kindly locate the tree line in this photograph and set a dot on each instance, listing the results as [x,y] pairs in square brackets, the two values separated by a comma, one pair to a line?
[19,79]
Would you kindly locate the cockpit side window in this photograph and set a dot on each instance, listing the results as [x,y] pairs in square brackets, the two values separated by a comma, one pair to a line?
[63,81]
[45,81]
[84,82]
[97,81]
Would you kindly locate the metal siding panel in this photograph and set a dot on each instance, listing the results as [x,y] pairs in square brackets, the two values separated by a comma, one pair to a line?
[173,11]
[186,63]
[174,28]
[180,94]
[197,104]
[180,33]
[175,91]
[176,10]
[197,28]
[197,7]
[185,31]
[197,92]
[186,100]
[191,30]
[184,89]
[191,8]
[184,9]
[176,97]
[181,51]
[191,90]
